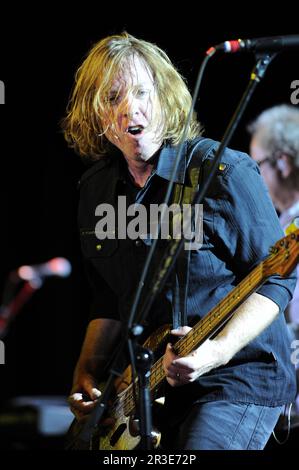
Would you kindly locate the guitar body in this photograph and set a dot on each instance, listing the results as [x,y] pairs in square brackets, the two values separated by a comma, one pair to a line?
[124,434]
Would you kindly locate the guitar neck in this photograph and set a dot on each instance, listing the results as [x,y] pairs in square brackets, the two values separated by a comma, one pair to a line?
[283,258]
[212,322]
[204,329]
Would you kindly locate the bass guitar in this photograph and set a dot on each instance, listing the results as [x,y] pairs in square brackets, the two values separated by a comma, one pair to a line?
[123,435]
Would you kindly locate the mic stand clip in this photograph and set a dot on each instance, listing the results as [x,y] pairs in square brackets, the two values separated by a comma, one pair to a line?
[143,362]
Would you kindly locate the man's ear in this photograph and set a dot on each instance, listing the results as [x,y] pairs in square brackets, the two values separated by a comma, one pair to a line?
[281,164]
[284,164]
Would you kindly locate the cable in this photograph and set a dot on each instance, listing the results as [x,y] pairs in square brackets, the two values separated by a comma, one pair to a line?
[289,405]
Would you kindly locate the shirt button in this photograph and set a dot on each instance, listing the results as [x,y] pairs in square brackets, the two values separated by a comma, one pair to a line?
[222,166]
[138,242]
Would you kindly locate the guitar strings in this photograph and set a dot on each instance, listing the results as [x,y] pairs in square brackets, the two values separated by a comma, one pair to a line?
[252,280]
[157,373]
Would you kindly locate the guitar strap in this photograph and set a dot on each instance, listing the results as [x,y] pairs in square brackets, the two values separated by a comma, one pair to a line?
[184,194]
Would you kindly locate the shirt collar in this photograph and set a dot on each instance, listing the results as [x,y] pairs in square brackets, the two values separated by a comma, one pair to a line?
[165,164]
[167,160]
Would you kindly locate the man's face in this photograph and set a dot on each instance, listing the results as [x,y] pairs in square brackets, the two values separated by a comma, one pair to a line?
[133,114]
[268,171]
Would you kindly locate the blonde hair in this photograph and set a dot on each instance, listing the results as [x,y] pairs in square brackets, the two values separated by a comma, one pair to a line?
[82,125]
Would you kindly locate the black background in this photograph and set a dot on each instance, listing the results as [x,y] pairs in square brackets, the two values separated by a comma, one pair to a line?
[41,49]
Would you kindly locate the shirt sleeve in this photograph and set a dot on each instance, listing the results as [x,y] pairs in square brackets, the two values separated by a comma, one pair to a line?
[250,226]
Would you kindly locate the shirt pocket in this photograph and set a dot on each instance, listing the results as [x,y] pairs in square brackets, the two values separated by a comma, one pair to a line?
[92,247]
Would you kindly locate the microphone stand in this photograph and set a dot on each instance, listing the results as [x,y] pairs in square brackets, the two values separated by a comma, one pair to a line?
[160,277]
[143,361]
[10,310]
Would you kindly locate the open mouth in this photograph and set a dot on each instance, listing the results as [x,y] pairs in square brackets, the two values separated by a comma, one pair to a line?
[135,130]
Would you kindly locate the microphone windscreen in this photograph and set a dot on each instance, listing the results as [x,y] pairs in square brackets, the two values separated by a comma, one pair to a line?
[60,267]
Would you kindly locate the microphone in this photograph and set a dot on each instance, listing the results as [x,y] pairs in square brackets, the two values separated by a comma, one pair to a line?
[268,44]
[59,267]
[34,276]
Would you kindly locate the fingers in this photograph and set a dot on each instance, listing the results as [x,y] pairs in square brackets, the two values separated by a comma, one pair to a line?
[175,379]
[82,404]
[181,331]
[170,352]
[183,371]
[88,386]
[95,393]
[187,363]
[169,357]
[172,372]
[176,364]
[179,371]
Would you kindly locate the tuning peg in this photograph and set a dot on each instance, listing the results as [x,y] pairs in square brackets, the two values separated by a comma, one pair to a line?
[294,225]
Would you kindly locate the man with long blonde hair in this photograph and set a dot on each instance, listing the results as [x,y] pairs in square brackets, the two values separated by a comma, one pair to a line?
[127,113]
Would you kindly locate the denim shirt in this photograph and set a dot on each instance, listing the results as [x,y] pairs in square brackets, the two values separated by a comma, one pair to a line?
[239,226]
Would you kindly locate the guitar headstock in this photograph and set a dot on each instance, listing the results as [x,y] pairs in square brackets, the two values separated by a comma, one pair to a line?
[284,255]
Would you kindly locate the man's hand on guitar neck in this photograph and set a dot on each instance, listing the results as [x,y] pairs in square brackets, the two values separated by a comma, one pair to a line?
[246,323]
[183,370]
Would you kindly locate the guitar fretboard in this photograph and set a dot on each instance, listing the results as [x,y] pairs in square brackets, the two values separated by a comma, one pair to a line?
[203,330]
